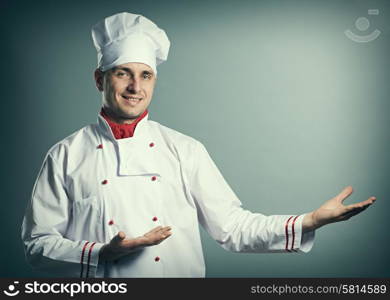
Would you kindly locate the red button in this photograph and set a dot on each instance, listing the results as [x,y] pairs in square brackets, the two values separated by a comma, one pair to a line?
[100,146]
[151,145]
[154,178]
[110,222]
[155,219]
[157,258]
[105,181]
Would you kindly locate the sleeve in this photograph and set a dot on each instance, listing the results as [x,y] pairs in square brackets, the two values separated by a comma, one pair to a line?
[45,223]
[237,229]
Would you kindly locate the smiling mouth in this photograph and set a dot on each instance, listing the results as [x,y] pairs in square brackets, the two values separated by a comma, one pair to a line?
[131,99]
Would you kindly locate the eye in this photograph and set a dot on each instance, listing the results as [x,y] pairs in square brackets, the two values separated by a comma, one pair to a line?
[147,76]
[121,74]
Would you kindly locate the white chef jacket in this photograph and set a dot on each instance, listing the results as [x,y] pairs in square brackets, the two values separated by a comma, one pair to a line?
[91,186]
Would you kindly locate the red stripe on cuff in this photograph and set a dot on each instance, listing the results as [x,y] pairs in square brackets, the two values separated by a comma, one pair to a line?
[82,259]
[286,232]
[89,257]
[293,233]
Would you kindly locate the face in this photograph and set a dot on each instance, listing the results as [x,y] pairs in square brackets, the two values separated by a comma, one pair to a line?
[127,90]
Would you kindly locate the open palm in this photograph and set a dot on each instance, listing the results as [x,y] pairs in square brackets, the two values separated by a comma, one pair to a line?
[334,210]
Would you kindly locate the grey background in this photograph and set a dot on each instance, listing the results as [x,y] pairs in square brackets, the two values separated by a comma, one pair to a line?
[290,109]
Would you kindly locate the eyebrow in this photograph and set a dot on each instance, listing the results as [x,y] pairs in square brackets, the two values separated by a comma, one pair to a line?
[130,71]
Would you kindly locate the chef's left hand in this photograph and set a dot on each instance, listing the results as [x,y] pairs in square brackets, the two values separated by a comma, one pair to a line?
[333,210]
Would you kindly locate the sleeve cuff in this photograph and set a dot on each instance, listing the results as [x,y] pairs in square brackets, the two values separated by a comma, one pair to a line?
[89,259]
[307,241]
[296,241]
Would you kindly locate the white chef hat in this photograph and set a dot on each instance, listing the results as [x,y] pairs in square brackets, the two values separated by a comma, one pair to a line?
[126,37]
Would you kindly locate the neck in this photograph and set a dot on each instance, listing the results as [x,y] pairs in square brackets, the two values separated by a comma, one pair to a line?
[116,118]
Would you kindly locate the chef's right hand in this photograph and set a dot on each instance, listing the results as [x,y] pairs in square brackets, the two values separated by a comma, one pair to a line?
[120,246]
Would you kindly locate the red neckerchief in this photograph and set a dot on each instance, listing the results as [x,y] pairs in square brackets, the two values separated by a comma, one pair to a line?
[122,131]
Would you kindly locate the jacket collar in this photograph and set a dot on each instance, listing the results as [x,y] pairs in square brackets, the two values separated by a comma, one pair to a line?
[141,132]
[121,131]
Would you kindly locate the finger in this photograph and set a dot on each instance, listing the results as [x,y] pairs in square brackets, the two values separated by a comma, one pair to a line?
[161,235]
[163,232]
[354,209]
[155,229]
[166,233]
[353,213]
[154,239]
[367,202]
[162,238]
[345,193]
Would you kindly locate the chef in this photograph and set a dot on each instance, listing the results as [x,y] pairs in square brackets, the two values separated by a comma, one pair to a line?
[124,197]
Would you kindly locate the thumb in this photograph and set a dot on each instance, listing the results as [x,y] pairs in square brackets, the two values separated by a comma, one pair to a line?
[119,237]
[345,193]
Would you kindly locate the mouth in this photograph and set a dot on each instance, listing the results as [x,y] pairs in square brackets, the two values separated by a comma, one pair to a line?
[131,99]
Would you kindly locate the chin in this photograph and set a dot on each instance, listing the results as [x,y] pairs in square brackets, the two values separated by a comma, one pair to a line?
[131,115]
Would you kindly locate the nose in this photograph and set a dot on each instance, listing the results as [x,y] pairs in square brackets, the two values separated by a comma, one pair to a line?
[134,86]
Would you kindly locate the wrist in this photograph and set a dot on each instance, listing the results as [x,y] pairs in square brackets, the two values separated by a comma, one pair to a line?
[103,253]
[308,223]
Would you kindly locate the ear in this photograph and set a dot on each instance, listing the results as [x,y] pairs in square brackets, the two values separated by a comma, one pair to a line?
[99,77]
